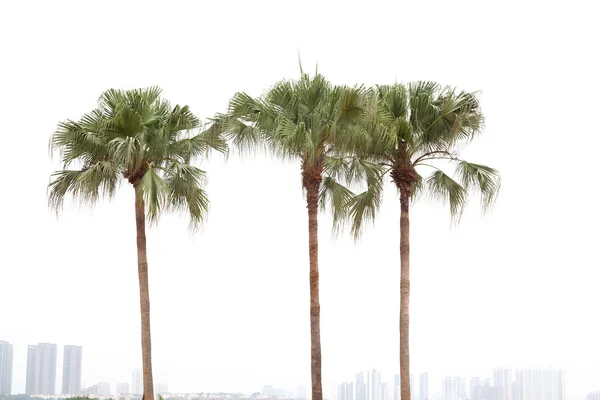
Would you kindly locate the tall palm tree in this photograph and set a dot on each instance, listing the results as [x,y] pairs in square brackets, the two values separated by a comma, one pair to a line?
[409,129]
[135,136]
[307,120]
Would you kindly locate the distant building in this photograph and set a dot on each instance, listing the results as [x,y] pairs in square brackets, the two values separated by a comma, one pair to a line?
[396,387]
[539,384]
[593,396]
[99,389]
[453,388]
[41,369]
[137,382]
[270,391]
[346,391]
[122,388]
[384,391]
[424,386]
[374,391]
[71,379]
[360,387]
[161,388]
[503,380]
[6,366]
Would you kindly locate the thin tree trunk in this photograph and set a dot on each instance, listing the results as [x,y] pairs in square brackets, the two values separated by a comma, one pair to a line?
[404,296]
[312,200]
[140,224]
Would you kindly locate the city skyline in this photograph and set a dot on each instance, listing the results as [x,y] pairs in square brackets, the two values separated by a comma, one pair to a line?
[539,383]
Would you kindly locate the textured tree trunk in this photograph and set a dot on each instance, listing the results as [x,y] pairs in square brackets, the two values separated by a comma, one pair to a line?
[312,183]
[140,224]
[404,295]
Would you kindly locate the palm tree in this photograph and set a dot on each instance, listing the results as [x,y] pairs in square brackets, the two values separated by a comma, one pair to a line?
[136,136]
[408,129]
[307,120]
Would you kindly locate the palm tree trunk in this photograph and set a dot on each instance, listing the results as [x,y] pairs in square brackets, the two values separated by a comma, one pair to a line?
[140,224]
[312,200]
[404,295]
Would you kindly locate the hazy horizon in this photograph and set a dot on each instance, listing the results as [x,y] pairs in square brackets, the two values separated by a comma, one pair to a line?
[229,304]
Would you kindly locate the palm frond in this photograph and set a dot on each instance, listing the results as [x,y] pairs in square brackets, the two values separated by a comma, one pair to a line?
[86,186]
[362,209]
[186,193]
[337,197]
[480,178]
[445,189]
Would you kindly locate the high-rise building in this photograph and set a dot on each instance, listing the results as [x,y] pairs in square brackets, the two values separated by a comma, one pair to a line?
[384,392]
[593,396]
[360,386]
[6,366]
[413,389]
[503,380]
[71,378]
[122,388]
[374,385]
[424,386]
[539,384]
[41,369]
[137,382]
[396,387]
[346,391]
[453,388]
[161,388]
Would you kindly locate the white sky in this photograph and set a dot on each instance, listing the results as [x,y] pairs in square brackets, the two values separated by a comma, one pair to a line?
[230,304]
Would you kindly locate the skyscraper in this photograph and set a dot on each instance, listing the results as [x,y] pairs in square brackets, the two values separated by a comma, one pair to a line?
[503,380]
[71,378]
[136,384]
[41,369]
[122,388]
[396,387]
[361,386]
[413,389]
[345,391]
[6,366]
[374,382]
[539,384]
[424,386]
[453,388]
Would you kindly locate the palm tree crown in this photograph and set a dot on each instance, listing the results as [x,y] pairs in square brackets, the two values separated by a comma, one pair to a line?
[137,136]
[308,120]
[409,129]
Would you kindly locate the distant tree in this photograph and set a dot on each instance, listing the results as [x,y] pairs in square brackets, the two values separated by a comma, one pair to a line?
[138,137]
[408,129]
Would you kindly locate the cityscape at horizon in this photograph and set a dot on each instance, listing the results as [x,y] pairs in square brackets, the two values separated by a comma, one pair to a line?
[504,383]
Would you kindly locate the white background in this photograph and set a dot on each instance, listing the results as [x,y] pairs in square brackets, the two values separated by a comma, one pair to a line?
[517,287]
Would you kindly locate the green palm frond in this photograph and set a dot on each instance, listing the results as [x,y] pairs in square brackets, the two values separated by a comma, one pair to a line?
[185,183]
[362,209]
[337,197]
[480,178]
[87,185]
[445,189]
[155,192]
